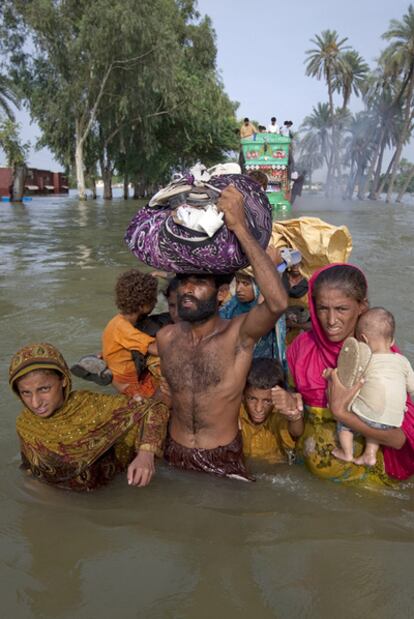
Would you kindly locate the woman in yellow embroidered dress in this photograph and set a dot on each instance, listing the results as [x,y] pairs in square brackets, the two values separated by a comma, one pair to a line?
[337,297]
[80,439]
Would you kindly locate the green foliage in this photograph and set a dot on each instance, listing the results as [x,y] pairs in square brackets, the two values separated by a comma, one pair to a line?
[10,143]
[137,80]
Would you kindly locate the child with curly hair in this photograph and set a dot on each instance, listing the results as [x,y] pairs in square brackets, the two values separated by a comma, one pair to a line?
[136,296]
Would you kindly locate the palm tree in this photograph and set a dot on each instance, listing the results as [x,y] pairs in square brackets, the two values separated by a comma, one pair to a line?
[358,150]
[326,60]
[316,129]
[400,54]
[310,158]
[8,95]
[352,77]
[381,97]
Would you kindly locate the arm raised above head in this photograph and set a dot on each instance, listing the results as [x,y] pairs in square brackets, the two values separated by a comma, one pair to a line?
[262,317]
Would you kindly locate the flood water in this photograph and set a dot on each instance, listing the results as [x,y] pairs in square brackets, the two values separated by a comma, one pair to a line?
[188,546]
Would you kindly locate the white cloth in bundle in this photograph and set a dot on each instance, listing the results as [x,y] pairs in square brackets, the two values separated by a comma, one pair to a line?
[207,219]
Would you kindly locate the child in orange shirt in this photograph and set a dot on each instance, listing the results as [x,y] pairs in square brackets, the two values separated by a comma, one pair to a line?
[136,296]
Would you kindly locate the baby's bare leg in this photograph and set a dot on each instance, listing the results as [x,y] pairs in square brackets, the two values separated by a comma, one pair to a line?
[369,457]
[346,449]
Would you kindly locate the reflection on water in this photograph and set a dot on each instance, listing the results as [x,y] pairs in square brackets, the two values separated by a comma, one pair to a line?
[189,545]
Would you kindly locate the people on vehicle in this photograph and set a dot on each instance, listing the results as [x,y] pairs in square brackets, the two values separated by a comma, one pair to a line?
[337,298]
[285,129]
[387,376]
[247,129]
[267,434]
[273,127]
[205,359]
[79,440]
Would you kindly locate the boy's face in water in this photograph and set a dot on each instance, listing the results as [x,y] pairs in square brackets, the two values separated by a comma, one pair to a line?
[258,403]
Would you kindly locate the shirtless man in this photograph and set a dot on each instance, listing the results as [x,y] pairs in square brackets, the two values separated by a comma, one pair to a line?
[205,359]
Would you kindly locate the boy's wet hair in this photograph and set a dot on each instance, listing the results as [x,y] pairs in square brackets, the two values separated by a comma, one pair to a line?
[265,374]
[134,289]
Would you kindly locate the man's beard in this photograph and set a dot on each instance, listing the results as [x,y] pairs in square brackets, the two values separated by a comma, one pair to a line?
[202,310]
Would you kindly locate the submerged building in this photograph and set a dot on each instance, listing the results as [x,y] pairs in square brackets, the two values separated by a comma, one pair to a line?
[38,182]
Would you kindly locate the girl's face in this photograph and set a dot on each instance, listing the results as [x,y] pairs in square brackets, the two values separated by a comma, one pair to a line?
[244,289]
[337,313]
[42,392]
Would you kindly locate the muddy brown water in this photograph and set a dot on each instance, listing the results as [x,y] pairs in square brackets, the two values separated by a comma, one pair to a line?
[188,546]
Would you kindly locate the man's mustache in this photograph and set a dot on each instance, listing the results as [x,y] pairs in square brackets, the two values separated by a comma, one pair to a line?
[187,297]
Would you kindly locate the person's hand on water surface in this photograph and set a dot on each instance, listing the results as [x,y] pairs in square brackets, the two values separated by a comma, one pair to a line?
[231,204]
[141,469]
[339,397]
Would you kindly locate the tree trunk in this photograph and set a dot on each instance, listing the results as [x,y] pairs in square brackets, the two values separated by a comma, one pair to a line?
[126,187]
[80,173]
[374,159]
[93,187]
[360,182]
[139,189]
[331,164]
[405,132]
[386,175]
[106,172]
[404,187]
[18,182]
[107,181]
[375,183]
[348,193]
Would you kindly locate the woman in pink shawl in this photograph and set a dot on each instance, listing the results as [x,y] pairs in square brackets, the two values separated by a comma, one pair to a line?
[337,297]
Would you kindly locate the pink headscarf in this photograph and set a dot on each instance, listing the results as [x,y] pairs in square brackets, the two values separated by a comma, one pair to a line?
[310,353]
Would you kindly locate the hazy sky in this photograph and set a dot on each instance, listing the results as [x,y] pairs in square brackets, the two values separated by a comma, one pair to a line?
[261,52]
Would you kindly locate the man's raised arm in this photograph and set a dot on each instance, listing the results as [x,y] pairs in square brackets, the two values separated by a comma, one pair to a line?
[265,273]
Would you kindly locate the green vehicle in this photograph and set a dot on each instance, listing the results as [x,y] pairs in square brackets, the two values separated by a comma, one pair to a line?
[269,153]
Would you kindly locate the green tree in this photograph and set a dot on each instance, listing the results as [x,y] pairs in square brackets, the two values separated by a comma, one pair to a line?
[400,54]
[71,76]
[16,154]
[8,96]
[381,98]
[326,61]
[315,131]
[150,92]
[351,76]
[358,150]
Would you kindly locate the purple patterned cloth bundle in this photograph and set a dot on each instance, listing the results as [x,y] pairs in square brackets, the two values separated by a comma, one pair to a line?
[159,241]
